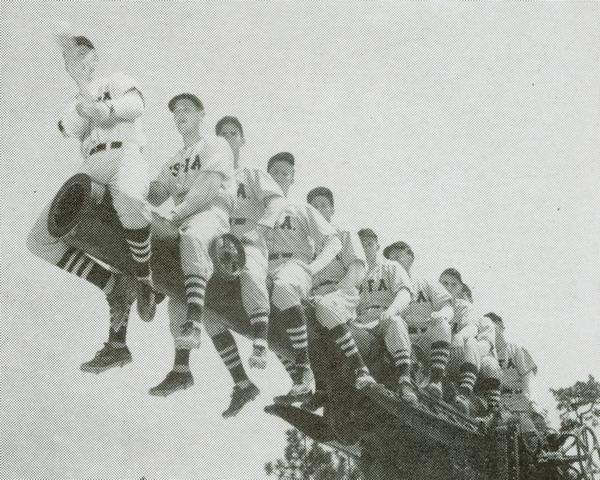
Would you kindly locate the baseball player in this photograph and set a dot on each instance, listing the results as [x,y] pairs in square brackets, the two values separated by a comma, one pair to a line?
[335,293]
[517,372]
[428,318]
[292,264]
[105,116]
[385,293]
[200,180]
[259,199]
[473,360]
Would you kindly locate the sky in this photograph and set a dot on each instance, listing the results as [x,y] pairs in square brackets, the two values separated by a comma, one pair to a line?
[468,129]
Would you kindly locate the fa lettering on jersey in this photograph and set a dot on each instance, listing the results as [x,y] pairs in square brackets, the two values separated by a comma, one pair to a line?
[298,229]
[326,280]
[254,188]
[180,174]
[428,297]
[379,289]
[516,365]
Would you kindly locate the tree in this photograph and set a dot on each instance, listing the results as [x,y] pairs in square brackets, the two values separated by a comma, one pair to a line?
[305,459]
[578,404]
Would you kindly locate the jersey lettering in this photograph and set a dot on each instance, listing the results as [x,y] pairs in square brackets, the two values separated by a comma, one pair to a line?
[509,363]
[421,297]
[241,192]
[382,286]
[196,165]
[287,223]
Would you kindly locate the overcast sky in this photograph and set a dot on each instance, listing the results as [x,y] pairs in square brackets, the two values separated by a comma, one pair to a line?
[469,130]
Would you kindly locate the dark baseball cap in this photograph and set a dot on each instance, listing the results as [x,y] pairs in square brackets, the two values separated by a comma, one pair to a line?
[367,233]
[280,157]
[320,192]
[396,246]
[231,120]
[82,41]
[494,318]
[186,96]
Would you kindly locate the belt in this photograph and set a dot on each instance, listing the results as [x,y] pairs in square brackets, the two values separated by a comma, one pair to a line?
[277,256]
[237,221]
[509,391]
[324,283]
[416,330]
[102,146]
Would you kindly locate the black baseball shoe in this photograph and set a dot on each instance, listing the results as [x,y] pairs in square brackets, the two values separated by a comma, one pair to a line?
[173,381]
[108,357]
[316,401]
[240,397]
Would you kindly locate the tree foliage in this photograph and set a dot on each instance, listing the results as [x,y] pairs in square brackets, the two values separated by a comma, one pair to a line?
[305,459]
[579,403]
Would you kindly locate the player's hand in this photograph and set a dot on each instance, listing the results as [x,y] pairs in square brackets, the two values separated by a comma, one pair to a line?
[388,314]
[95,111]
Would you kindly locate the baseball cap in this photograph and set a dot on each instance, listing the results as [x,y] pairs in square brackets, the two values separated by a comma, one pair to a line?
[280,157]
[229,119]
[494,318]
[186,96]
[320,192]
[396,246]
[367,233]
[82,41]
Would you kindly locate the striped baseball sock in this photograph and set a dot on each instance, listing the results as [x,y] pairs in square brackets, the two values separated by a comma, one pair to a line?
[259,322]
[440,352]
[228,351]
[491,391]
[138,240]
[468,376]
[289,366]
[182,360]
[79,263]
[401,359]
[344,340]
[295,326]
[195,288]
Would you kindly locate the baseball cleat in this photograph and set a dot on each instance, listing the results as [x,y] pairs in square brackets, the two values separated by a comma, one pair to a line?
[406,392]
[363,378]
[146,300]
[258,359]
[300,392]
[240,397]
[434,389]
[190,336]
[108,357]
[316,401]
[173,381]
[461,403]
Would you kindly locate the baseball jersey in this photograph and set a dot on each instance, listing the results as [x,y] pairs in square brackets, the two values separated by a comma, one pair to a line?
[516,364]
[254,188]
[111,88]
[486,331]
[179,175]
[428,297]
[298,229]
[326,280]
[379,289]
[464,316]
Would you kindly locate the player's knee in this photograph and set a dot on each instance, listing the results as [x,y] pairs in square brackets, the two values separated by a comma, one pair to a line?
[440,328]
[490,369]
[131,210]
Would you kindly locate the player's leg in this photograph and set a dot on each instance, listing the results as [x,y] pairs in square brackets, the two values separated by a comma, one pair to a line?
[180,376]
[463,368]
[397,342]
[437,337]
[291,283]
[490,378]
[196,237]
[334,311]
[115,352]
[129,187]
[243,389]
[255,298]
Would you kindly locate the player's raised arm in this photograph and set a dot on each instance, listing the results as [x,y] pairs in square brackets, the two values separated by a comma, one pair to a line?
[353,257]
